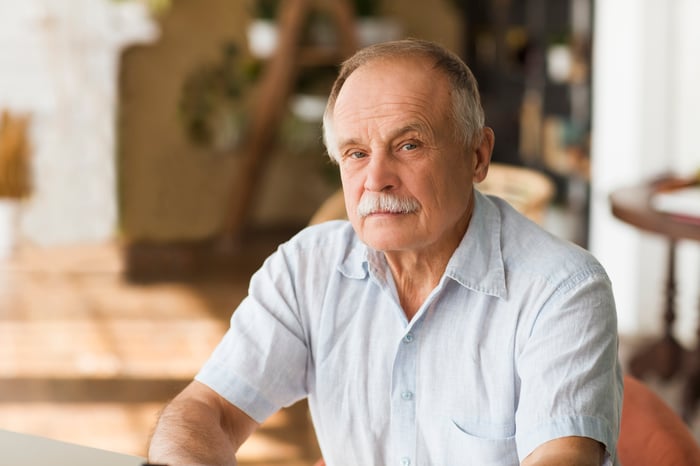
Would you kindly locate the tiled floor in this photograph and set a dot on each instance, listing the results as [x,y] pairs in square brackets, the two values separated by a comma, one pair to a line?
[87,357]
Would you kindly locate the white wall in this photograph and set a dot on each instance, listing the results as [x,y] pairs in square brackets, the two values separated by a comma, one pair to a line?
[645,122]
[59,63]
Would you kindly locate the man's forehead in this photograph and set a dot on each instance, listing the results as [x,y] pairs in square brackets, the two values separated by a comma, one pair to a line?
[384,77]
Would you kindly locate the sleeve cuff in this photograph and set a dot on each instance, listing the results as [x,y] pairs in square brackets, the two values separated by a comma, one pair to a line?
[589,427]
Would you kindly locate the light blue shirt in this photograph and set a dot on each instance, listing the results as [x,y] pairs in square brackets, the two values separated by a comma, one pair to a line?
[517,345]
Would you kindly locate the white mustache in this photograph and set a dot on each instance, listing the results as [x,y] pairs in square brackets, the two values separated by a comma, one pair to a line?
[386,203]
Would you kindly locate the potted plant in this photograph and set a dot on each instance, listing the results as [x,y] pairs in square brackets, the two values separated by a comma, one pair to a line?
[212,105]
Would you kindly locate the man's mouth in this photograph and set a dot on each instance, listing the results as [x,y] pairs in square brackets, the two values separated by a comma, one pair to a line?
[386,204]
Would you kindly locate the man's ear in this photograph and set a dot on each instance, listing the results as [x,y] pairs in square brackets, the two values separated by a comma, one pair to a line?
[482,154]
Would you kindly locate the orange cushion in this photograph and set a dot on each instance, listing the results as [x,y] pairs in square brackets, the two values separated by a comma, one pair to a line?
[651,433]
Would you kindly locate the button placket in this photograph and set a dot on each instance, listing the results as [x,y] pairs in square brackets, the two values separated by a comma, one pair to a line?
[404,397]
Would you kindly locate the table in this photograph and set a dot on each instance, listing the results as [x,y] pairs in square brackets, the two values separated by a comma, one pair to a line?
[665,357]
[18,449]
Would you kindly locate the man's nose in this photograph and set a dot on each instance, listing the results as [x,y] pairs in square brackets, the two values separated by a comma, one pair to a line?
[381,173]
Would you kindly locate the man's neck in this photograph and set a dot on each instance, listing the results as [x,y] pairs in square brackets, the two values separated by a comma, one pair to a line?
[417,272]
[415,278]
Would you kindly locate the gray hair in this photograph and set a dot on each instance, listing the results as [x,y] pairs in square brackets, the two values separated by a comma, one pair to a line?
[467,111]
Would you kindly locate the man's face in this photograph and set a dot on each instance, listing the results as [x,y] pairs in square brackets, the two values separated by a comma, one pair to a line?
[395,138]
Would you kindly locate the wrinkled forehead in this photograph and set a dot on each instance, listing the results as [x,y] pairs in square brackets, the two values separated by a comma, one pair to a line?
[392,80]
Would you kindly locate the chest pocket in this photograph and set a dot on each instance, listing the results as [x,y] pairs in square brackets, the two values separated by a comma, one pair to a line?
[482,447]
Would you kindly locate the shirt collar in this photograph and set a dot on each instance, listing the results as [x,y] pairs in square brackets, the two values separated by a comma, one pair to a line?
[356,262]
[476,264]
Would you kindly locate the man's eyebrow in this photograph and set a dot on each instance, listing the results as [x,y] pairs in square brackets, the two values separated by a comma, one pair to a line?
[348,142]
[417,127]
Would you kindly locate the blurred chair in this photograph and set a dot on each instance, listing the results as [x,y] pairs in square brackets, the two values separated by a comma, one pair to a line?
[652,434]
[527,190]
[333,208]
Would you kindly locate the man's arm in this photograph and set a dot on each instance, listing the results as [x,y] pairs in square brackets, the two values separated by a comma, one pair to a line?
[199,427]
[567,451]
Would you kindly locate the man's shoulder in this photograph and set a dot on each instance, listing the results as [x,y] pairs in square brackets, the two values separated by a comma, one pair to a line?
[532,248]
[322,249]
[332,232]
[335,238]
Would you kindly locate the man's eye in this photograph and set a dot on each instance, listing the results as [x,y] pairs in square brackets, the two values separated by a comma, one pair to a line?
[409,146]
[357,155]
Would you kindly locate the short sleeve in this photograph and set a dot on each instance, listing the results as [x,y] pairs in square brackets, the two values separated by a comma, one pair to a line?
[260,364]
[571,381]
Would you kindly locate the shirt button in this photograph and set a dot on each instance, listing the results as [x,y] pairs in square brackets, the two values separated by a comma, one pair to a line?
[405,461]
[408,338]
[407,396]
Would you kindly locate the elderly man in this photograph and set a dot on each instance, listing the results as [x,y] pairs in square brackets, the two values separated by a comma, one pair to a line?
[438,326]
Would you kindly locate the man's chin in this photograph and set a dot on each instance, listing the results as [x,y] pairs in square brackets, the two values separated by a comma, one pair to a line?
[385,233]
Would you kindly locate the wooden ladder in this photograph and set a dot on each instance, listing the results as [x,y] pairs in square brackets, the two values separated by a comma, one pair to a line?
[276,85]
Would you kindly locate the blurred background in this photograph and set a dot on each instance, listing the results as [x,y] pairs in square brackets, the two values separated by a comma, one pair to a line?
[154,152]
